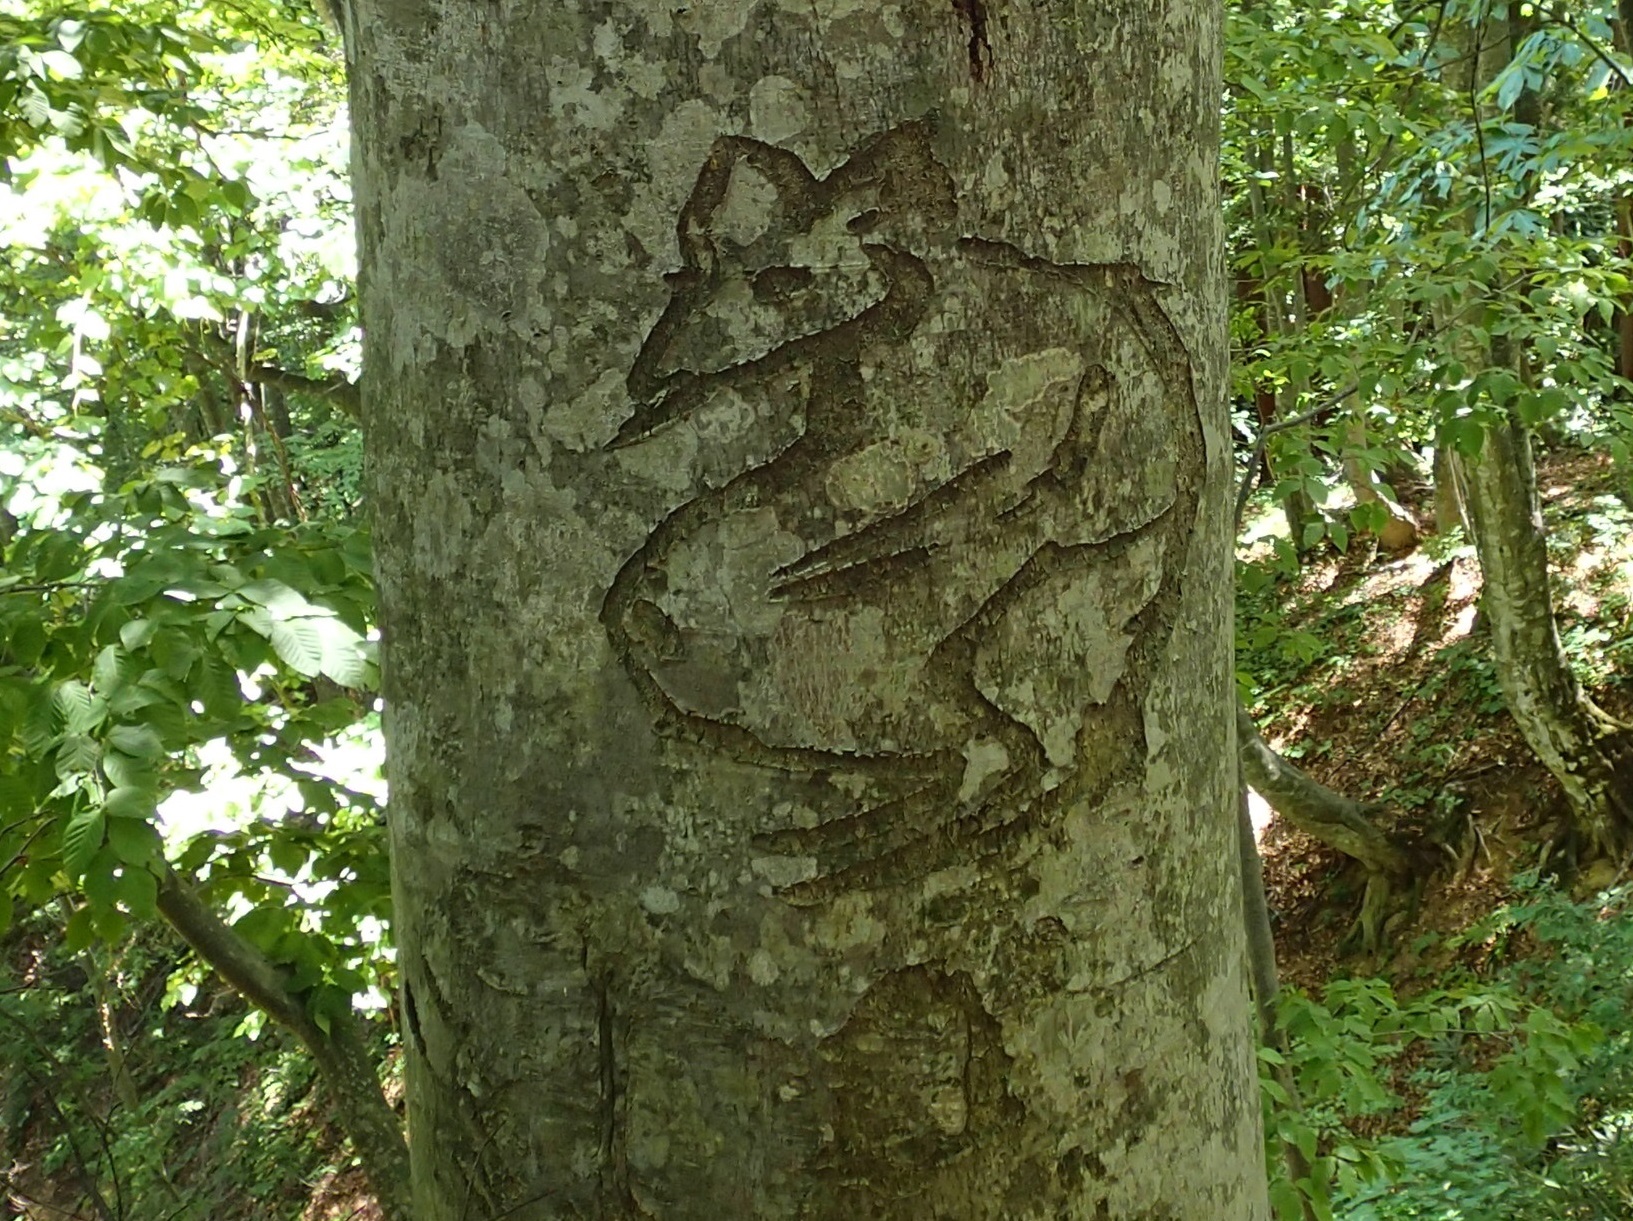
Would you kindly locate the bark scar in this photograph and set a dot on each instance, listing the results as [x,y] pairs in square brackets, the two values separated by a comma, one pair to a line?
[974,14]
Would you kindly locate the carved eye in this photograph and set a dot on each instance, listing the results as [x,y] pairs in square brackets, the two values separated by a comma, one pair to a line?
[773,284]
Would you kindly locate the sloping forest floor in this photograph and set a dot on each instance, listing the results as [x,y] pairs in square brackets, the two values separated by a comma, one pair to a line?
[1381,687]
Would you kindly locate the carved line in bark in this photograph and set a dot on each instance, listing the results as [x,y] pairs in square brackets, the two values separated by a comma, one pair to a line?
[1036,524]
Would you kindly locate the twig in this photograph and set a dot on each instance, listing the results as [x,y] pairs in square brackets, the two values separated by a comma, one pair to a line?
[1560,17]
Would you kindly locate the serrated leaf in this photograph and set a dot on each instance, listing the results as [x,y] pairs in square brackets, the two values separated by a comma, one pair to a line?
[299,645]
[125,772]
[345,655]
[173,651]
[81,839]
[133,699]
[134,842]
[138,741]
[110,670]
[279,598]
[215,685]
[130,803]
[80,710]
[78,755]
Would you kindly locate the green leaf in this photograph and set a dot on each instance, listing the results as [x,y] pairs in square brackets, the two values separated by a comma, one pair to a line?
[346,655]
[299,645]
[125,803]
[174,651]
[78,755]
[138,890]
[277,597]
[1465,434]
[288,854]
[263,926]
[1286,1200]
[134,842]
[215,685]
[80,711]
[81,839]
[109,671]
[78,932]
[138,741]
[108,923]
[99,882]
[137,633]
[26,641]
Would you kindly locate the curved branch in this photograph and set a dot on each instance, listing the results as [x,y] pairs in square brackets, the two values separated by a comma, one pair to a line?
[223,355]
[341,1057]
[1311,806]
[342,393]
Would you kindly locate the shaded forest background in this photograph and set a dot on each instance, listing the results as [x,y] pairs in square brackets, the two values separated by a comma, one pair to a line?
[1429,215]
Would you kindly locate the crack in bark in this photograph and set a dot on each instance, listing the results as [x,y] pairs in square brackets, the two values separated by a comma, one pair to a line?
[617,1198]
[974,14]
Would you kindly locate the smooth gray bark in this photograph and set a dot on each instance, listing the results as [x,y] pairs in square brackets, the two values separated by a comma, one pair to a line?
[1261,953]
[1326,815]
[1448,495]
[1588,751]
[798,463]
[1399,531]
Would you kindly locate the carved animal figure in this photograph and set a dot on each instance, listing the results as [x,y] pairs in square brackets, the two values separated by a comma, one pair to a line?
[936,461]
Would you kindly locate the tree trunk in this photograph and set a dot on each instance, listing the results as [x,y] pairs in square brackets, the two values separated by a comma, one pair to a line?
[1399,531]
[1589,753]
[336,1044]
[798,463]
[1261,957]
[1325,815]
[1448,495]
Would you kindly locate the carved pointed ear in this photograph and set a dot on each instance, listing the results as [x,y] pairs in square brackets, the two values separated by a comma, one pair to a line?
[707,220]
[898,169]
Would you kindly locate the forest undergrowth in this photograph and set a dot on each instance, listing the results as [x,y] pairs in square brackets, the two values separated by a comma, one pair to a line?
[1478,1064]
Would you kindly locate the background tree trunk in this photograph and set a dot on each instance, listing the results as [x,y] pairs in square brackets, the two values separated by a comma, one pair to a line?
[799,471]
[1588,752]
[1399,531]
[1311,806]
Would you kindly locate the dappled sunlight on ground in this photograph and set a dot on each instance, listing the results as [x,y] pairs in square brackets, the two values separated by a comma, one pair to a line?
[1390,697]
